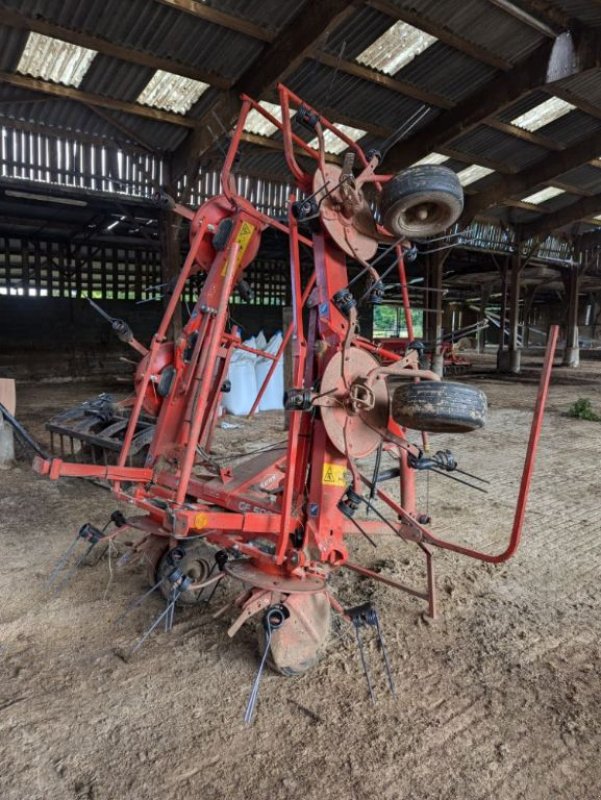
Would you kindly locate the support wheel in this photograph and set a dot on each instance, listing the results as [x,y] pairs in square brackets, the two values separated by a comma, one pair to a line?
[439,407]
[421,201]
[301,641]
[197,562]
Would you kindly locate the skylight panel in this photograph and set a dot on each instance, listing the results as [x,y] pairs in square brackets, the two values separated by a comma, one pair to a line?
[473,174]
[543,194]
[395,48]
[256,122]
[543,114]
[335,145]
[171,92]
[54,60]
[433,158]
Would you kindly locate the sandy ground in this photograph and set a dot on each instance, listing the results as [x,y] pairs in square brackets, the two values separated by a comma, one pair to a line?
[500,698]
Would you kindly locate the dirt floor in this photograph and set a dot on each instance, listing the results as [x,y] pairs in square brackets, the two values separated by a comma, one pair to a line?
[499,698]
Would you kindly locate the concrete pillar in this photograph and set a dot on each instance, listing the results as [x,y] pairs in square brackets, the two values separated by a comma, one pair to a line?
[571,354]
[7,440]
[7,443]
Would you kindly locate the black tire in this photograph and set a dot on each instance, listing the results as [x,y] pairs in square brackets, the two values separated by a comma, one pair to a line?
[421,201]
[197,563]
[439,407]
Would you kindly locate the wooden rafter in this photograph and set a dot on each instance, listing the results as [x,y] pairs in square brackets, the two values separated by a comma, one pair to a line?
[297,39]
[69,93]
[588,206]
[441,33]
[545,170]
[18,20]
[373,76]
[209,14]
[503,90]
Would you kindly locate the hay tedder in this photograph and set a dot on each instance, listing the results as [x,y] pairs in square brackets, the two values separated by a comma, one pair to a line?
[280,522]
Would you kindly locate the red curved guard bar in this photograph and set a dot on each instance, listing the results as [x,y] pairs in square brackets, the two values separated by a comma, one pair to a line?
[520,510]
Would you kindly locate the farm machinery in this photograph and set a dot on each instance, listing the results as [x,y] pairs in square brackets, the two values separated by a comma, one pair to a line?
[283,521]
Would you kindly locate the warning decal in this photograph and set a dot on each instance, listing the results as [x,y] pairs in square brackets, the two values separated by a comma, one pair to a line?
[200,521]
[334,475]
[242,240]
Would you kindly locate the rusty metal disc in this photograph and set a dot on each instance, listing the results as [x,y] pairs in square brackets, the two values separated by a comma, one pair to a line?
[354,233]
[301,641]
[250,573]
[349,432]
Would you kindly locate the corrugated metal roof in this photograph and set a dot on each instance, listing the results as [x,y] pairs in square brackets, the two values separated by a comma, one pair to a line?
[586,177]
[584,10]
[357,32]
[115,78]
[572,128]
[480,22]
[270,14]
[484,141]
[58,114]
[446,71]
[586,85]
[362,100]
[153,28]
[12,42]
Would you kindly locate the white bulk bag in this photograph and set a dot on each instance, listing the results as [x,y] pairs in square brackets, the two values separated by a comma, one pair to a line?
[273,399]
[241,374]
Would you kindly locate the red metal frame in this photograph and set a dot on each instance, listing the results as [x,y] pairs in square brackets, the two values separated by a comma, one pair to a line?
[289,497]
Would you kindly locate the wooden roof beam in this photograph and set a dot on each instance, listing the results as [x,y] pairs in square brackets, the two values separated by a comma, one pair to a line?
[496,95]
[588,206]
[528,179]
[443,34]
[549,63]
[70,93]
[210,14]
[299,37]
[16,19]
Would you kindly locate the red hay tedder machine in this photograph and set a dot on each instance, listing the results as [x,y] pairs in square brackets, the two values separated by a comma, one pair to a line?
[281,522]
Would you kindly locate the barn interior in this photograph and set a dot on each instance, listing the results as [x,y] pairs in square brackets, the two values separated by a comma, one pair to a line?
[110,112]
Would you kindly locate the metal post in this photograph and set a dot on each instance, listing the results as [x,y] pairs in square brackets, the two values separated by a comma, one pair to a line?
[571,355]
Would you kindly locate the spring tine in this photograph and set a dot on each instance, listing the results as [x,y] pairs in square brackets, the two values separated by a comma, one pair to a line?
[73,569]
[150,630]
[469,475]
[453,478]
[385,657]
[61,562]
[254,692]
[364,665]
[137,602]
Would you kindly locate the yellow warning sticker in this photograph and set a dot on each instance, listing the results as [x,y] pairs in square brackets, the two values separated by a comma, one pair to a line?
[242,240]
[334,475]
[200,521]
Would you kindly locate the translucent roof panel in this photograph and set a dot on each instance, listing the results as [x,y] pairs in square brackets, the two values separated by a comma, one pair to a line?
[473,174]
[54,60]
[256,122]
[543,194]
[171,92]
[333,143]
[395,48]
[433,158]
[543,114]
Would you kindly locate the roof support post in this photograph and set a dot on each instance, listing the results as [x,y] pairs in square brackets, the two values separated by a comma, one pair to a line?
[571,353]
